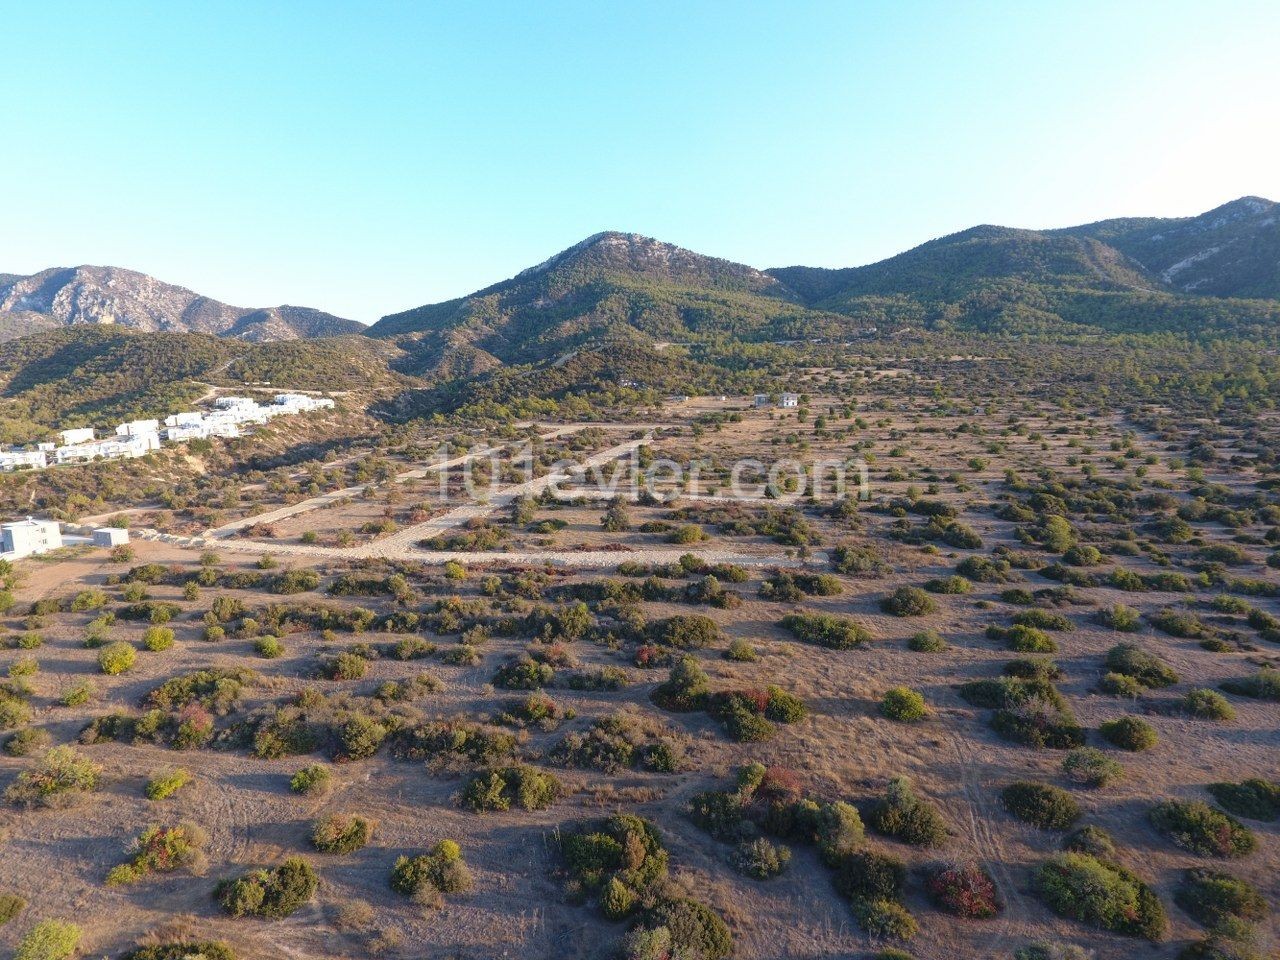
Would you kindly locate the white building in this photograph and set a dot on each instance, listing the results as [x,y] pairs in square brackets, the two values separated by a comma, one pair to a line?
[23,460]
[789,400]
[110,448]
[762,399]
[26,537]
[136,428]
[78,435]
[110,537]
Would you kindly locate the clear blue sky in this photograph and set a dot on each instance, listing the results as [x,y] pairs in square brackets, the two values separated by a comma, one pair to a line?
[369,157]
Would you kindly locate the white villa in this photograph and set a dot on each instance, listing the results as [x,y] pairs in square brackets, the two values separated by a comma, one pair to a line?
[22,538]
[137,438]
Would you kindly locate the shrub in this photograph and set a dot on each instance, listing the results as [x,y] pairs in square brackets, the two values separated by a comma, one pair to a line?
[524,673]
[1102,894]
[268,647]
[1263,685]
[164,785]
[1041,805]
[885,918]
[1091,767]
[1121,685]
[1092,840]
[696,930]
[1254,798]
[10,906]
[903,704]
[183,950]
[116,658]
[825,630]
[1043,620]
[1039,722]
[315,780]
[442,870]
[952,585]
[345,666]
[1129,733]
[269,893]
[50,940]
[1023,639]
[1199,828]
[1208,705]
[501,789]
[926,641]
[838,831]
[1120,617]
[59,775]
[1132,661]
[868,875]
[26,742]
[964,890]
[1212,898]
[162,850]
[741,651]
[341,833]
[761,859]
[908,602]
[904,816]
[157,639]
[1046,950]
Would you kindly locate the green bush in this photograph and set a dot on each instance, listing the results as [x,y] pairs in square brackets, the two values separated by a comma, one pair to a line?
[900,814]
[761,859]
[869,875]
[1263,685]
[1199,828]
[164,785]
[1092,840]
[1254,798]
[341,833]
[1041,805]
[60,775]
[1129,733]
[442,870]
[1091,767]
[519,786]
[524,673]
[183,950]
[825,630]
[162,849]
[1042,620]
[116,658]
[926,641]
[885,918]
[1208,705]
[1121,685]
[1132,661]
[157,639]
[1212,898]
[315,780]
[696,930]
[1120,617]
[904,705]
[908,602]
[268,647]
[1023,639]
[269,893]
[50,940]
[1102,894]
[26,742]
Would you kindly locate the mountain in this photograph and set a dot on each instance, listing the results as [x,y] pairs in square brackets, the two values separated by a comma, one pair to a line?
[616,286]
[100,374]
[109,295]
[1231,251]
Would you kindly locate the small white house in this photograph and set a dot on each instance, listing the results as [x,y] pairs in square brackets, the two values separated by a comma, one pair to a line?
[23,460]
[789,400]
[78,435]
[136,428]
[110,537]
[23,538]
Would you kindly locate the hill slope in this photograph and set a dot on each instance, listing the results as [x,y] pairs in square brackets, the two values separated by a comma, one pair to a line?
[620,286]
[64,296]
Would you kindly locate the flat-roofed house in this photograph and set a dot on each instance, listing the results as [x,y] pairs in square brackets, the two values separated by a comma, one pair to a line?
[23,538]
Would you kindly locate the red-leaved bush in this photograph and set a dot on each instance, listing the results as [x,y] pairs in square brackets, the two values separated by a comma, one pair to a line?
[964,889]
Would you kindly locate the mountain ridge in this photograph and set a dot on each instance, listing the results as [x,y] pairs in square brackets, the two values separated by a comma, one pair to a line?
[66,296]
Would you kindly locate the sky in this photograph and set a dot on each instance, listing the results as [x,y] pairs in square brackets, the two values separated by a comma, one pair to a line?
[366,158]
